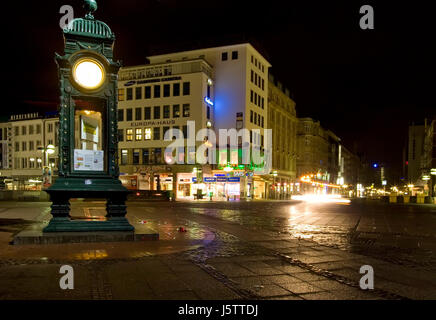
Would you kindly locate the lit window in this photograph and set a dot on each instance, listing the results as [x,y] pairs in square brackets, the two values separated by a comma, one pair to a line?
[129,134]
[124,156]
[121,94]
[138,134]
[147,133]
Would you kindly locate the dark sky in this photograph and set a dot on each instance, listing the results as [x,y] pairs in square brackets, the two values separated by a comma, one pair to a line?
[364,85]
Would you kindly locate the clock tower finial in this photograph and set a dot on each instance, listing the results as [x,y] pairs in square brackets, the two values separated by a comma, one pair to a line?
[90,7]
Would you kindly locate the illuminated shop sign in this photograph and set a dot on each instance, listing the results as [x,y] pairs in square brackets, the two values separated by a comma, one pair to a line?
[208,101]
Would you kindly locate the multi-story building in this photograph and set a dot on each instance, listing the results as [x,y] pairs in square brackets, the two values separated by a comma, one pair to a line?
[282,120]
[25,149]
[415,153]
[5,146]
[318,157]
[429,157]
[349,172]
[217,88]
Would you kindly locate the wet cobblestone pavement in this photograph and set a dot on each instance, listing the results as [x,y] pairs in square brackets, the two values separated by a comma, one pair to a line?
[240,250]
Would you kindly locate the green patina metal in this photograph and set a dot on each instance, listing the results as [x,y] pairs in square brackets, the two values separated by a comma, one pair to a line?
[88,38]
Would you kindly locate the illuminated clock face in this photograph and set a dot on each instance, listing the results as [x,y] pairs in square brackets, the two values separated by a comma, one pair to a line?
[88,73]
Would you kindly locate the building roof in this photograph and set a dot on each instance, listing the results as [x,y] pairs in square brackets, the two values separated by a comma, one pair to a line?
[190,52]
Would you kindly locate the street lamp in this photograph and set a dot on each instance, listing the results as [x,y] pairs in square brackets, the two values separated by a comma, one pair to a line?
[50,149]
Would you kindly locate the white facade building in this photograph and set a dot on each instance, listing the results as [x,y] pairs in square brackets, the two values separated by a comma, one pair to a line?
[221,88]
[28,135]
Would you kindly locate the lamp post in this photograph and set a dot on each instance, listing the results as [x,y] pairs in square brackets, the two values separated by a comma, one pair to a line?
[50,149]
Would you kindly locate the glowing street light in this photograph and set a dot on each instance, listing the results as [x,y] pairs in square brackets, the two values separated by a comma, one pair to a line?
[88,73]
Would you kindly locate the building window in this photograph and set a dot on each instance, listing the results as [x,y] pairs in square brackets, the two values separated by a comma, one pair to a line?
[186,88]
[120,94]
[120,115]
[166,90]
[50,127]
[17,146]
[120,135]
[224,56]
[24,146]
[129,94]
[31,129]
[157,155]
[263,102]
[129,114]
[31,145]
[156,112]
[156,133]
[147,133]
[157,91]
[145,156]
[165,129]
[251,96]
[262,121]
[138,134]
[17,131]
[138,114]
[166,112]
[138,93]
[23,130]
[124,156]
[234,55]
[136,156]
[186,111]
[147,113]
[148,92]
[176,89]
[252,76]
[176,111]
[38,129]
[129,134]
[251,116]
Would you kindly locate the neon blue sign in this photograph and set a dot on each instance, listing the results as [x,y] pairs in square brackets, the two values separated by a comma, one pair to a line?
[208,101]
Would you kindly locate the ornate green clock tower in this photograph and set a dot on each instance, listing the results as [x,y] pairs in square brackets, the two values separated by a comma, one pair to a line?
[88,164]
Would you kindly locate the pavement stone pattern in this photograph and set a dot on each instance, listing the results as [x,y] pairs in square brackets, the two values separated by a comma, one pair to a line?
[244,259]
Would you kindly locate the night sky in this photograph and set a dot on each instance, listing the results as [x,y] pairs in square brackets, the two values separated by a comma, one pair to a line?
[364,85]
